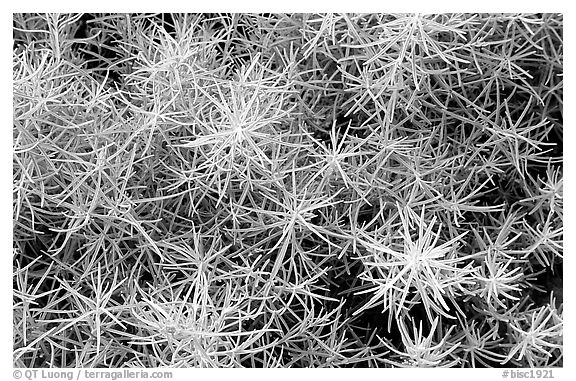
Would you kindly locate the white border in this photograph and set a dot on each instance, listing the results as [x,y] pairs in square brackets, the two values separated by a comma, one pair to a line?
[300,6]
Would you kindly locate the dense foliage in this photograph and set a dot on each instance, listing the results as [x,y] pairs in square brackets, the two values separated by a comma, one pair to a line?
[287,190]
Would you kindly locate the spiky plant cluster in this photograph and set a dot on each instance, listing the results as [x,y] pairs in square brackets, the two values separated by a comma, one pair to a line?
[303,190]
